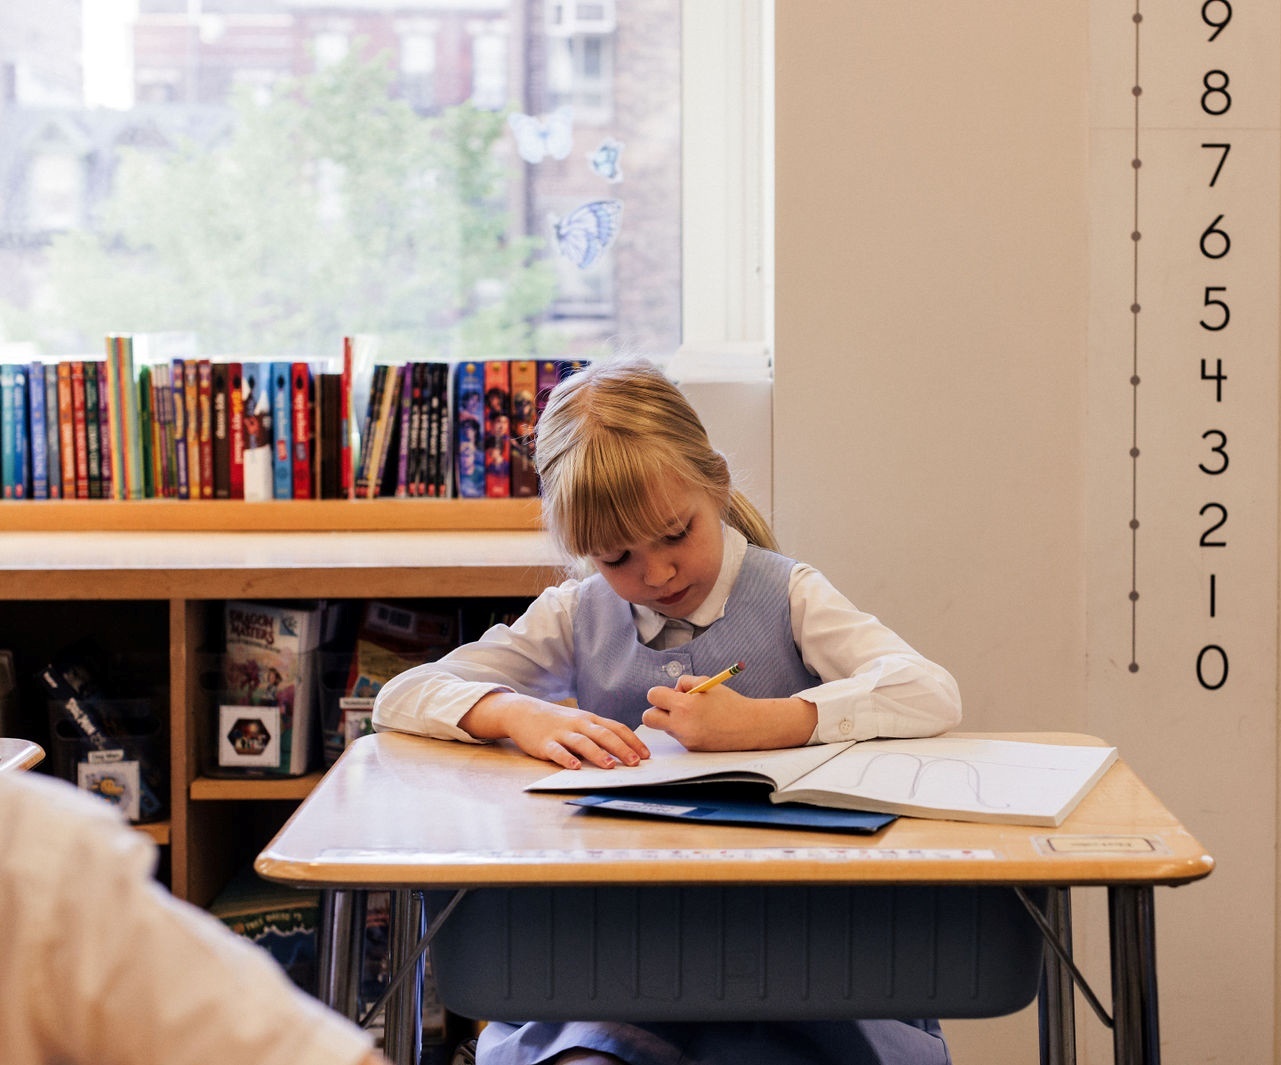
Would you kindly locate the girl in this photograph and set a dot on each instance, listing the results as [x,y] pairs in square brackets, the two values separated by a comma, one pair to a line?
[685,578]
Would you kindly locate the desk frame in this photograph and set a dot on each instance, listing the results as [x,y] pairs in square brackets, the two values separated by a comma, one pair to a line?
[486,831]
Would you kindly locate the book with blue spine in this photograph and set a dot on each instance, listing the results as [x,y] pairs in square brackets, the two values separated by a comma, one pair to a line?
[39,431]
[469,446]
[282,461]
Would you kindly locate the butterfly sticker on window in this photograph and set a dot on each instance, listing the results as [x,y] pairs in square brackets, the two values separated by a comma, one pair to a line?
[543,136]
[605,160]
[583,235]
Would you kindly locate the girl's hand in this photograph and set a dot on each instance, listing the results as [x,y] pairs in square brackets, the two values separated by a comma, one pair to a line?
[722,720]
[561,734]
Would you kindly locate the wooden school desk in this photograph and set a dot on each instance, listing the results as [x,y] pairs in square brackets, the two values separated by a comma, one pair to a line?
[403,813]
[16,753]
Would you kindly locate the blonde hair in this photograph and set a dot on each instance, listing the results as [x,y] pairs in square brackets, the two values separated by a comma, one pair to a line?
[615,442]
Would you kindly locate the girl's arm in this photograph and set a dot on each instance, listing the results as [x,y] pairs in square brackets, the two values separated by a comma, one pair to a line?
[511,683]
[873,684]
[534,655]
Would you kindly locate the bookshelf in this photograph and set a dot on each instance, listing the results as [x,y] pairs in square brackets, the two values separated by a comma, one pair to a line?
[151,575]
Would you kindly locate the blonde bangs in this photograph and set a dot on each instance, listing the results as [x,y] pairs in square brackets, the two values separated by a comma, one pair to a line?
[612,494]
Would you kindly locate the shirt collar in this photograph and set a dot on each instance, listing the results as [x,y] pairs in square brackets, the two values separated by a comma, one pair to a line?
[649,623]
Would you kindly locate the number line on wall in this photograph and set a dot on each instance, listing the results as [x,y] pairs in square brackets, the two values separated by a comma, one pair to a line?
[1136,165]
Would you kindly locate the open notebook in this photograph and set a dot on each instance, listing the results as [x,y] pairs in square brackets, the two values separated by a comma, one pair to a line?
[959,778]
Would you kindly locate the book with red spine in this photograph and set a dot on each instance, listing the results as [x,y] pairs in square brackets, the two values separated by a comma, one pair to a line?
[498,482]
[66,430]
[301,440]
[345,421]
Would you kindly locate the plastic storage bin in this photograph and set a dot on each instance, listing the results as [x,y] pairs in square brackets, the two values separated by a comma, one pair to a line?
[659,953]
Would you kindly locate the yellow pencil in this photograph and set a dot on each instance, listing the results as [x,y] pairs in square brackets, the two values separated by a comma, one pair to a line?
[720,678]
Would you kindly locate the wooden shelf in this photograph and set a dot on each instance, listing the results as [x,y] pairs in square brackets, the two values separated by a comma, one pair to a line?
[160,831]
[312,515]
[143,574]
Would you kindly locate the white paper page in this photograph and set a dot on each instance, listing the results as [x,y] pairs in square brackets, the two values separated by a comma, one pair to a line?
[670,762]
[989,779]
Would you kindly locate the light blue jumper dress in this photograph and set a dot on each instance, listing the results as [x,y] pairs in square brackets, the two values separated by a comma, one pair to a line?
[613,671]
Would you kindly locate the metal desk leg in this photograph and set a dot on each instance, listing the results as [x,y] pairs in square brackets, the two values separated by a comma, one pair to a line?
[338,949]
[402,1021]
[1136,1036]
[1057,1002]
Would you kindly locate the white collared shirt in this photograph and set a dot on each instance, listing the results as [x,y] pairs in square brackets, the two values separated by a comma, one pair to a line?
[871,682]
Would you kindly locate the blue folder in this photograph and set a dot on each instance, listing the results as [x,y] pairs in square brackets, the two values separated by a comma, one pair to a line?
[713,805]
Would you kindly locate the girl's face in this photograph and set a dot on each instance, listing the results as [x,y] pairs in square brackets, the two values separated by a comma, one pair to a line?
[674,573]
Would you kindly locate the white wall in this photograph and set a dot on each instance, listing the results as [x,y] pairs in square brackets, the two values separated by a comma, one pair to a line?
[933,286]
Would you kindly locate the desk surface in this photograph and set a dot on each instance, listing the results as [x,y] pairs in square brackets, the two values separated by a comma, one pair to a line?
[398,811]
[19,753]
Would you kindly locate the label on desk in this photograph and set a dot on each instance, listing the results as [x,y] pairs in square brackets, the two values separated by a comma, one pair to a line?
[726,854]
[1123,845]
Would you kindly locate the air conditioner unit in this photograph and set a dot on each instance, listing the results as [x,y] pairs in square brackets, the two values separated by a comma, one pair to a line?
[576,18]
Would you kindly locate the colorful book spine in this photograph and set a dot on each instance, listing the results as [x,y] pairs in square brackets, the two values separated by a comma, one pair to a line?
[300,406]
[469,446]
[39,431]
[146,432]
[80,420]
[438,432]
[93,429]
[191,397]
[524,382]
[377,384]
[406,415]
[385,431]
[221,430]
[498,482]
[178,388]
[204,434]
[259,475]
[66,430]
[282,467]
[346,421]
[106,419]
[429,444]
[53,431]
[235,431]
[8,431]
[162,433]
[123,420]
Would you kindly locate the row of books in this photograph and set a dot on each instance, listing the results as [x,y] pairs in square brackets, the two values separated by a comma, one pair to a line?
[197,428]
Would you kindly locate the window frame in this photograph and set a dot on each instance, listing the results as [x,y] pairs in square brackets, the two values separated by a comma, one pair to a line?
[727,181]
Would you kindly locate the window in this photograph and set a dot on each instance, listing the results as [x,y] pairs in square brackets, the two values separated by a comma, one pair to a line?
[280,174]
[418,68]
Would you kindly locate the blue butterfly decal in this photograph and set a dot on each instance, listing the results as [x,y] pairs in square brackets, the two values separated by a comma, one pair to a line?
[604,160]
[583,235]
[539,137]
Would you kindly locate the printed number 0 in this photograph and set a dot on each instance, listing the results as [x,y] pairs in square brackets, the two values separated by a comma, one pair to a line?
[1215,649]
